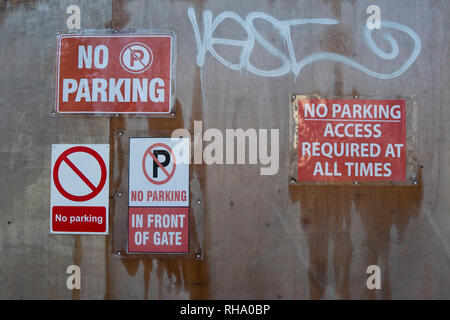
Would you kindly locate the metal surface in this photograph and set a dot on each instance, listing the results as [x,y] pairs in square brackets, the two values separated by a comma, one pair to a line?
[412,146]
[262,238]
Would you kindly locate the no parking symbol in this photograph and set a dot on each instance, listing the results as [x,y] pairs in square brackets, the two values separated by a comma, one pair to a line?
[159,172]
[136,57]
[155,151]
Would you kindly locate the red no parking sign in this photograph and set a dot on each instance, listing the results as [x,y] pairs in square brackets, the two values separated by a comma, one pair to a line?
[79,189]
[115,73]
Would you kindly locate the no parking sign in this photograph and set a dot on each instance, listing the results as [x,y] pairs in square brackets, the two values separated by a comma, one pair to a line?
[158,214]
[79,191]
[159,172]
[115,73]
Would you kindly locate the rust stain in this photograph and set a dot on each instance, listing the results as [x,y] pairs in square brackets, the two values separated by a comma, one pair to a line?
[120,16]
[168,124]
[192,274]
[198,271]
[115,125]
[336,6]
[325,214]
[338,40]
[380,209]
[325,217]
[77,253]
[131,265]
[148,266]
[189,275]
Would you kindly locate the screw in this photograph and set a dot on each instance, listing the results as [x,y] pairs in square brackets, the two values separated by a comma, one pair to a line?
[120,133]
[415,182]
[293,180]
[356,97]
[173,113]
[115,31]
[293,97]
[199,201]
[119,252]
[119,194]
[53,113]
[199,253]
[355,182]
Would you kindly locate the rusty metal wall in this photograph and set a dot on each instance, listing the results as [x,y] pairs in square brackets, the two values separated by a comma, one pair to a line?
[262,238]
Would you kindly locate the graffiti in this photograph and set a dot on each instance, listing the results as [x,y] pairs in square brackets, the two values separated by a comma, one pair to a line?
[289,63]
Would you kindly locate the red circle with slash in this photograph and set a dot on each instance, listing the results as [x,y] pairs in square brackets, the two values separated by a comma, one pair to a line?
[95,189]
[149,152]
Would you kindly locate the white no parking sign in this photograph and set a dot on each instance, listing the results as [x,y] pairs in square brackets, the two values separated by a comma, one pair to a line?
[158,213]
[79,192]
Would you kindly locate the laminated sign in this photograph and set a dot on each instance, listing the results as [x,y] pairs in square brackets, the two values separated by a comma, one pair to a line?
[158,214]
[351,140]
[79,192]
[116,73]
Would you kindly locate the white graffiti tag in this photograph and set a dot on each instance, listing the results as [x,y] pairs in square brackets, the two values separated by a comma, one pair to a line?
[289,62]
